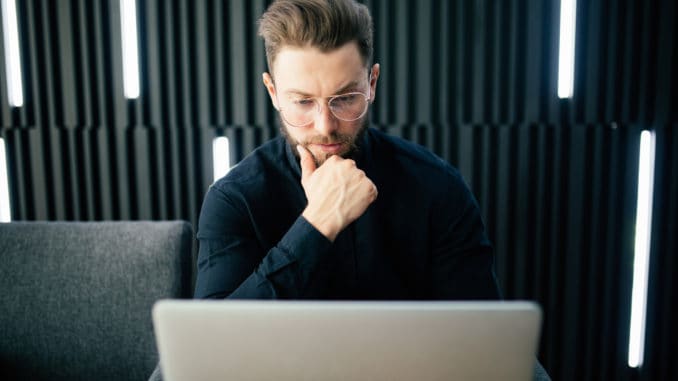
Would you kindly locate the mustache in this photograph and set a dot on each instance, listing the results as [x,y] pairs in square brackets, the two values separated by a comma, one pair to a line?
[332,139]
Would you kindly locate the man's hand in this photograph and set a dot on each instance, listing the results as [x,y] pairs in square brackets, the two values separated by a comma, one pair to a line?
[337,192]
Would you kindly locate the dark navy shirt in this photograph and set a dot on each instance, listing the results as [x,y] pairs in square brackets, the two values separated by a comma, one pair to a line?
[423,237]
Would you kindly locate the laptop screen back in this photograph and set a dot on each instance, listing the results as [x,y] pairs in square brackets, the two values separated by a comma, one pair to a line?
[279,340]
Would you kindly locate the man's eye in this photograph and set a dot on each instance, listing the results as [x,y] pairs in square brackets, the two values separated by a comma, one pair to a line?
[345,99]
[303,102]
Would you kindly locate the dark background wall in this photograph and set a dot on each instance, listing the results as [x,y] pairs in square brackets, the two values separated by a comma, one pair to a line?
[475,81]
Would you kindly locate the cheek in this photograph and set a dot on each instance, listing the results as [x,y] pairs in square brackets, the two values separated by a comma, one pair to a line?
[350,128]
[294,133]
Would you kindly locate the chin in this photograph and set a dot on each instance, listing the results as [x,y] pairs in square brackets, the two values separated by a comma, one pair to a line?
[320,157]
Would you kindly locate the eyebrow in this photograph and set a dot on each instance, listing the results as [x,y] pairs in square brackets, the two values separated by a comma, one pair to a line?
[344,89]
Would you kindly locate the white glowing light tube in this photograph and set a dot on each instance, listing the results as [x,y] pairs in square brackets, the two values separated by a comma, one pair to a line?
[12,53]
[641,262]
[130,54]
[5,211]
[221,157]
[568,24]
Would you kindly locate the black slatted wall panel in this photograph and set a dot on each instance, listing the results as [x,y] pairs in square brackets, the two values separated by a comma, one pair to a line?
[475,81]
[662,334]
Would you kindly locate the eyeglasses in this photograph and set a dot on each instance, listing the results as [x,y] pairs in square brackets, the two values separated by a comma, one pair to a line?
[301,111]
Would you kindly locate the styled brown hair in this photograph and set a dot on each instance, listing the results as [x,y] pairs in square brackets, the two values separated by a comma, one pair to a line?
[323,24]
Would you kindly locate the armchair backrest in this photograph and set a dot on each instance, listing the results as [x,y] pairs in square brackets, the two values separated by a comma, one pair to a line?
[76,297]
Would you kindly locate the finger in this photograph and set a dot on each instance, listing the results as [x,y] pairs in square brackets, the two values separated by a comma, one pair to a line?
[372,191]
[307,163]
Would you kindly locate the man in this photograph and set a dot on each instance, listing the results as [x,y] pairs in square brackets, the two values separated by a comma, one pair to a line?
[334,209]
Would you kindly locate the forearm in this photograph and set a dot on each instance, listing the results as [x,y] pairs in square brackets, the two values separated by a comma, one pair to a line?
[232,268]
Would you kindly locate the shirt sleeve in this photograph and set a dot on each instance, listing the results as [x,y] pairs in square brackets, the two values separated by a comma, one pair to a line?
[462,255]
[233,264]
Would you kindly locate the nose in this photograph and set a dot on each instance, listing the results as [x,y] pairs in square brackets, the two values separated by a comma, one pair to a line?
[325,122]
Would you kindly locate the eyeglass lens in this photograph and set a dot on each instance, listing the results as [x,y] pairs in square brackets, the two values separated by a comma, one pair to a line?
[346,107]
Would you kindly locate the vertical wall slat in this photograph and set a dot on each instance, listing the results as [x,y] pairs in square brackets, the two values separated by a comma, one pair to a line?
[5,109]
[218,67]
[401,62]
[64,61]
[39,182]
[533,68]
[423,61]
[263,114]
[200,61]
[184,27]
[504,216]
[85,173]
[151,62]
[523,202]
[239,74]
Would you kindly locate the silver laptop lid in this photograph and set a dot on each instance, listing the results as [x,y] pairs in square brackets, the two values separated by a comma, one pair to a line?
[279,340]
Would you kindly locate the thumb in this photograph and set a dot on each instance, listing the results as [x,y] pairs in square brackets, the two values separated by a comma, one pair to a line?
[307,163]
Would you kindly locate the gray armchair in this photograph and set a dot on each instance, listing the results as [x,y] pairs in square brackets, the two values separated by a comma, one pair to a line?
[76,298]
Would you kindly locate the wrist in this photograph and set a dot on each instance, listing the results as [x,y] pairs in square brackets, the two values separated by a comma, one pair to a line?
[324,224]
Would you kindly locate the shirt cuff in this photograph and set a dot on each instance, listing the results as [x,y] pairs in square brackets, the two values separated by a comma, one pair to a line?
[304,243]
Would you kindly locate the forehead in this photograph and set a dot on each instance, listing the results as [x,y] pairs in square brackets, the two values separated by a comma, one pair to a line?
[309,70]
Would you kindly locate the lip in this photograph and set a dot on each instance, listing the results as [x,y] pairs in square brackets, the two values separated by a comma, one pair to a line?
[330,148]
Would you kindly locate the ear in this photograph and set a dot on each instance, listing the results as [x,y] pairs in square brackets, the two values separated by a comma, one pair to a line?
[374,73]
[270,87]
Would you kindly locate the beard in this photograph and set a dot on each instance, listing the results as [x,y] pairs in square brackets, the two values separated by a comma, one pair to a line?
[352,141]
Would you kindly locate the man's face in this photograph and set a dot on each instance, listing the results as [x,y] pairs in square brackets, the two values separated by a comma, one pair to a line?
[303,74]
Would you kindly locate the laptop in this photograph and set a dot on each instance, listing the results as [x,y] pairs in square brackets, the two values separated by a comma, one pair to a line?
[203,340]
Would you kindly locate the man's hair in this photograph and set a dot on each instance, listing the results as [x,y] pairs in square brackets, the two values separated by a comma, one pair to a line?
[322,24]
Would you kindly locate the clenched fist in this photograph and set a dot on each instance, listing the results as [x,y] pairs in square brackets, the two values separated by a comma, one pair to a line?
[337,192]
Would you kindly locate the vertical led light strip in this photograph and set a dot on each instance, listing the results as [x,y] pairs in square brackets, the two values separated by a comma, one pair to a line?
[568,25]
[12,56]
[641,261]
[130,54]
[221,157]
[5,211]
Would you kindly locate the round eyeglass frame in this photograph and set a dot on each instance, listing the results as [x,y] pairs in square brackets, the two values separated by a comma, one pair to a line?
[329,99]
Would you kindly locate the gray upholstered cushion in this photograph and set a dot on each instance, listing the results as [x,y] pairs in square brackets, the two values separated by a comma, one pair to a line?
[76,298]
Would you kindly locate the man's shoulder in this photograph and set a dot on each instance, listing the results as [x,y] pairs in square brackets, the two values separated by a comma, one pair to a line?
[263,162]
[409,155]
[419,172]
